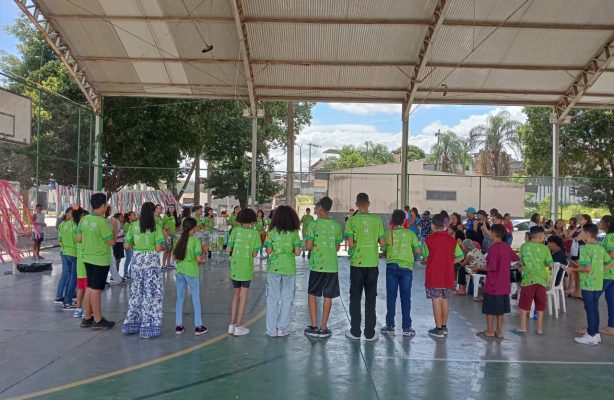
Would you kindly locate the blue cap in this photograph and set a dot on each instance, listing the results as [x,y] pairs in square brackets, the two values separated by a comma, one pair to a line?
[471,210]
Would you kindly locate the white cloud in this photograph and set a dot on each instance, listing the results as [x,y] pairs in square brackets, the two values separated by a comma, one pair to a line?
[367,108]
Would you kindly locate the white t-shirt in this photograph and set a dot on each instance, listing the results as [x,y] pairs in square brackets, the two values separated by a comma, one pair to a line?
[39,219]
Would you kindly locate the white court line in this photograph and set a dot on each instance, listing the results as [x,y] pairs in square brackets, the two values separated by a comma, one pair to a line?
[467,360]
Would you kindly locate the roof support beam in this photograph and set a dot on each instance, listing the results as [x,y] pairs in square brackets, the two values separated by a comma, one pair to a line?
[432,30]
[55,41]
[239,18]
[592,71]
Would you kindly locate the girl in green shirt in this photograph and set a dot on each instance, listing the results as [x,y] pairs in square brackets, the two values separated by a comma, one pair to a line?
[170,222]
[282,244]
[188,254]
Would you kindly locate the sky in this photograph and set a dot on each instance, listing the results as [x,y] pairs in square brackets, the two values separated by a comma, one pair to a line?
[334,125]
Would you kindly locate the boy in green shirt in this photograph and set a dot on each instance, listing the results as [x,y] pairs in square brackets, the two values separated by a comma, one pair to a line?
[536,262]
[594,261]
[401,247]
[96,237]
[306,220]
[607,224]
[364,232]
[323,240]
[243,246]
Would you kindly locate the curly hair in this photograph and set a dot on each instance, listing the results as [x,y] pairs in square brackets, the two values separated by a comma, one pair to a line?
[246,216]
[285,219]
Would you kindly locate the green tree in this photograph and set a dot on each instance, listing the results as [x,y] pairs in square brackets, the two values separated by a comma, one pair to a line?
[450,154]
[350,157]
[415,153]
[500,132]
[376,154]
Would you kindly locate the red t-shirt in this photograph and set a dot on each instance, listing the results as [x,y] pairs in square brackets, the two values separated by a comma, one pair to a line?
[440,261]
[498,262]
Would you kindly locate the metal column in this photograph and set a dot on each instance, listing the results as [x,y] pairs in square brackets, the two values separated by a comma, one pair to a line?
[404,176]
[97,175]
[254,157]
[555,169]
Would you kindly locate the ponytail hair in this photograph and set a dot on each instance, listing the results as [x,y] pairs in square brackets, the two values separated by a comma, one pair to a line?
[182,244]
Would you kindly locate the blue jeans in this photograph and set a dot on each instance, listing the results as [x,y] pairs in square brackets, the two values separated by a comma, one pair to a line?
[68,279]
[398,279]
[127,261]
[591,306]
[193,282]
[608,289]
[279,289]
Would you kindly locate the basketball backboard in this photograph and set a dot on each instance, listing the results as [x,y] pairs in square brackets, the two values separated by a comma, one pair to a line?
[15,118]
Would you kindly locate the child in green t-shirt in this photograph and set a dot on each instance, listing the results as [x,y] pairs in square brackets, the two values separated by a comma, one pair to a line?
[189,254]
[535,261]
[364,232]
[607,224]
[170,222]
[323,240]
[243,245]
[594,261]
[282,245]
[306,220]
[402,245]
[77,214]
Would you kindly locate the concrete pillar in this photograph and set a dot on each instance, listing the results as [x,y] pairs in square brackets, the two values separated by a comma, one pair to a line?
[555,169]
[404,175]
[290,156]
[97,175]
[254,158]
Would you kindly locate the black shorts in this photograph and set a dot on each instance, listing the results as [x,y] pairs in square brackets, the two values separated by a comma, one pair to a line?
[324,284]
[498,304]
[240,284]
[118,250]
[96,276]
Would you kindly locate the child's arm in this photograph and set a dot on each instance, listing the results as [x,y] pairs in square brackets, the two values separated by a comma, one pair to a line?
[609,265]
[200,258]
[229,249]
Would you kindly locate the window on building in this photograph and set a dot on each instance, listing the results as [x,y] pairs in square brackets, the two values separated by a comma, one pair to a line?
[441,195]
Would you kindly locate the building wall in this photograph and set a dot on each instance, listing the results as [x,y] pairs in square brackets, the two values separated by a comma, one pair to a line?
[383,183]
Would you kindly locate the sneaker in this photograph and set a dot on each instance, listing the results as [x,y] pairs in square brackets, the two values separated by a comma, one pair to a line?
[231,329]
[387,330]
[325,333]
[179,329]
[409,332]
[437,332]
[124,280]
[240,331]
[598,336]
[348,334]
[68,307]
[78,313]
[200,330]
[372,338]
[588,340]
[444,329]
[103,324]
[59,300]
[87,323]
[282,333]
[312,331]
[128,277]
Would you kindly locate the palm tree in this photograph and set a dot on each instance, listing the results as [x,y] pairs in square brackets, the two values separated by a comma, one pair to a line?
[449,154]
[499,133]
[376,154]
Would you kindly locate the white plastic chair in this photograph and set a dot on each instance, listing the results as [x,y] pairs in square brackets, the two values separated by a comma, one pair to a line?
[551,291]
[475,278]
[559,290]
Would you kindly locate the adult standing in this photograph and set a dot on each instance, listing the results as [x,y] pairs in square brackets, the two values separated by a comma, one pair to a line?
[144,314]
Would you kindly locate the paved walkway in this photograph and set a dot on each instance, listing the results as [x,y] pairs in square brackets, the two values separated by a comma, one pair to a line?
[41,347]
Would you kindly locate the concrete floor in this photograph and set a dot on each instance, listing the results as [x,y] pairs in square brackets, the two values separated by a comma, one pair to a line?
[43,352]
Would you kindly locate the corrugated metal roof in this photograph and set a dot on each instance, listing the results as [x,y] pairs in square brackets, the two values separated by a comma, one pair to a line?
[484,51]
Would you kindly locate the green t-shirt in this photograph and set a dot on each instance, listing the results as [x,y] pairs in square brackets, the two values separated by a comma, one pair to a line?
[366,229]
[282,261]
[81,273]
[594,255]
[95,232]
[189,265]
[159,221]
[145,242]
[608,245]
[244,242]
[535,259]
[209,224]
[169,223]
[326,235]
[401,244]
[306,220]
[67,236]
[259,225]
[127,227]
[232,221]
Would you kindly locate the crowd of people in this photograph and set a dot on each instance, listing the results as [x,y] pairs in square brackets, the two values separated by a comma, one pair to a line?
[450,247]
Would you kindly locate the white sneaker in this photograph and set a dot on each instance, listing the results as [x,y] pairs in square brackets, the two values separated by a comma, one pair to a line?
[373,339]
[588,340]
[231,329]
[349,335]
[240,331]
[282,333]
[598,336]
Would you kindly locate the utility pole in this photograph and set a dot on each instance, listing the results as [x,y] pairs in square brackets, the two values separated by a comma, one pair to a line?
[300,167]
[290,153]
[438,134]
[309,168]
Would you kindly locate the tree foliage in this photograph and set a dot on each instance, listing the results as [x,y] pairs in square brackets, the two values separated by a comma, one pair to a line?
[450,154]
[363,156]
[498,134]
[415,153]
[586,151]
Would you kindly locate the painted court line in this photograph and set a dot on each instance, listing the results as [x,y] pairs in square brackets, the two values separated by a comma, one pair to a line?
[133,367]
[480,361]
